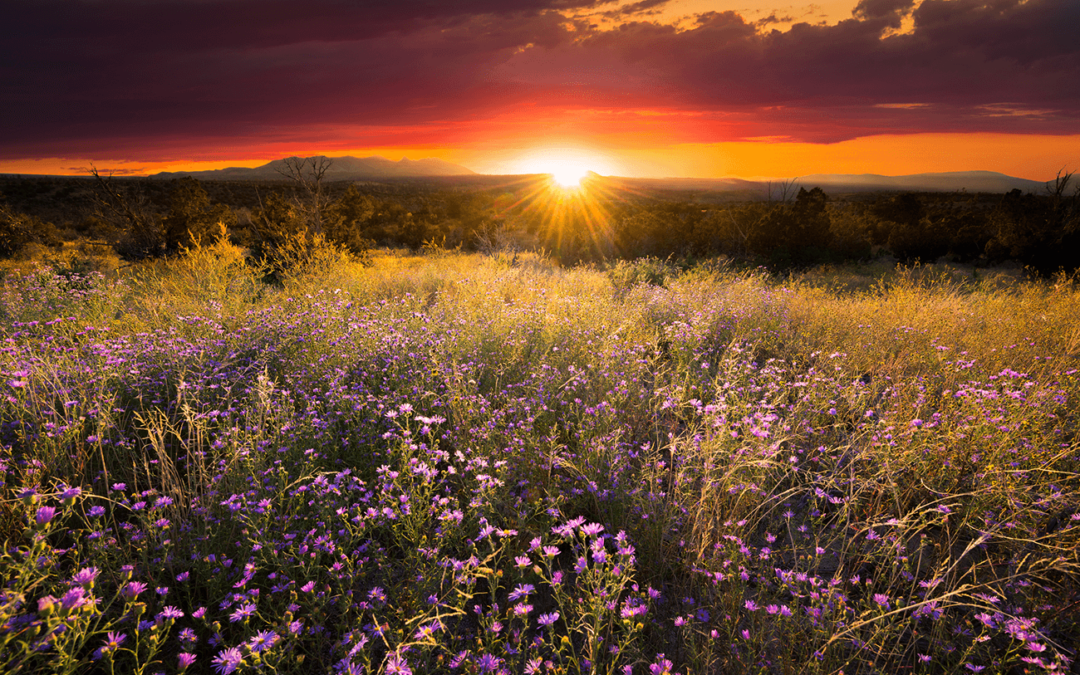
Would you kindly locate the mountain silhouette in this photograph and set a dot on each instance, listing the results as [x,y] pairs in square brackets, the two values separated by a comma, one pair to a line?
[341,168]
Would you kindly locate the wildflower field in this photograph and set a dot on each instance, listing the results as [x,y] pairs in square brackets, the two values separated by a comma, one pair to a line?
[469,464]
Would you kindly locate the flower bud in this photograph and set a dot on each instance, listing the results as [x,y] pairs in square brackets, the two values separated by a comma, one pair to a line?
[44,515]
[47,605]
[67,498]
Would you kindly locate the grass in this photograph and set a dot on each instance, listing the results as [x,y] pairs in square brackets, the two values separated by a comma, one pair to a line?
[465,463]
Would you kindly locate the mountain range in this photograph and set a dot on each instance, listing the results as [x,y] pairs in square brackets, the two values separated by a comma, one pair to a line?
[953,181]
[376,168]
[341,168]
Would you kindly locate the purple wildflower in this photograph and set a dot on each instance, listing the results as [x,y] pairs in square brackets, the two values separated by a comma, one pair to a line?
[188,637]
[521,591]
[75,598]
[262,641]
[242,612]
[131,590]
[592,529]
[548,619]
[69,494]
[44,515]
[522,609]
[227,660]
[170,613]
[85,577]
[113,640]
[396,665]
[488,663]
[661,666]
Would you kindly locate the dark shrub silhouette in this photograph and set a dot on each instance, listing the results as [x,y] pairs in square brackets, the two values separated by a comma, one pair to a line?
[796,234]
[1040,231]
[192,217]
[347,221]
[19,229]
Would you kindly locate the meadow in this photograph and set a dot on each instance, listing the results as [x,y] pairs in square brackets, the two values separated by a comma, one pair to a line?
[465,463]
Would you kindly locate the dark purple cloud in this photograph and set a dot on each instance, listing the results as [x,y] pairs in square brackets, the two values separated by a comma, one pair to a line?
[642,8]
[963,56]
[894,9]
[169,77]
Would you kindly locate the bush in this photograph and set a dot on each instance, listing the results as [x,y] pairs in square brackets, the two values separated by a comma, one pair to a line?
[346,222]
[192,217]
[649,271]
[794,235]
[18,229]
[1041,232]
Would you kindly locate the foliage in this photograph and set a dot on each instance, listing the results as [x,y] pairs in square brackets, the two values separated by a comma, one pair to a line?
[19,229]
[1041,232]
[448,463]
[129,209]
[643,271]
[279,230]
[348,219]
[789,229]
[192,217]
[796,234]
[309,174]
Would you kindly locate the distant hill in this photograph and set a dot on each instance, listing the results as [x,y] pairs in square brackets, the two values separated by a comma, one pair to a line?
[376,168]
[952,181]
[955,181]
[341,168]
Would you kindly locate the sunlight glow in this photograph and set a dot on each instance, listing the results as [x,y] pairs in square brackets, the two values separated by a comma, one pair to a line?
[569,174]
[566,165]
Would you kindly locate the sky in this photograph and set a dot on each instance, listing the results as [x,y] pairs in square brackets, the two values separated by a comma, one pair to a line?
[705,88]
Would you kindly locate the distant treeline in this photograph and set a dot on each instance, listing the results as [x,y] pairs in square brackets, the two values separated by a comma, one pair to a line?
[143,218]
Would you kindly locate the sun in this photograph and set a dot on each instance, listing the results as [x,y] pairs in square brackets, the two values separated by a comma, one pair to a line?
[568,174]
[566,166]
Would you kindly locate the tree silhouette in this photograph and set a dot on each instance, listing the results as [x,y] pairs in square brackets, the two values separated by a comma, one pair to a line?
[132,213]
[795,234]
[1040,231]
[906,228]
[309,173]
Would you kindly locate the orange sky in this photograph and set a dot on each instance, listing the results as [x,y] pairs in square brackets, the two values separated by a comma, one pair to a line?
[682,88]
[1032,157]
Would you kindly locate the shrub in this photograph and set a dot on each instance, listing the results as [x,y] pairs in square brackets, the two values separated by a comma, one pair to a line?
[17,230]
[192,217]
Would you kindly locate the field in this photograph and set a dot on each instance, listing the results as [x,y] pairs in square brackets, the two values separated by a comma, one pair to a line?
[469,464]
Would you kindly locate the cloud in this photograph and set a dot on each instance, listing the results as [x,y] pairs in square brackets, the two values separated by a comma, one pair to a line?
[772,18]
[204,76]
[962,54]
[106,171]
[644,7]
[889,9]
